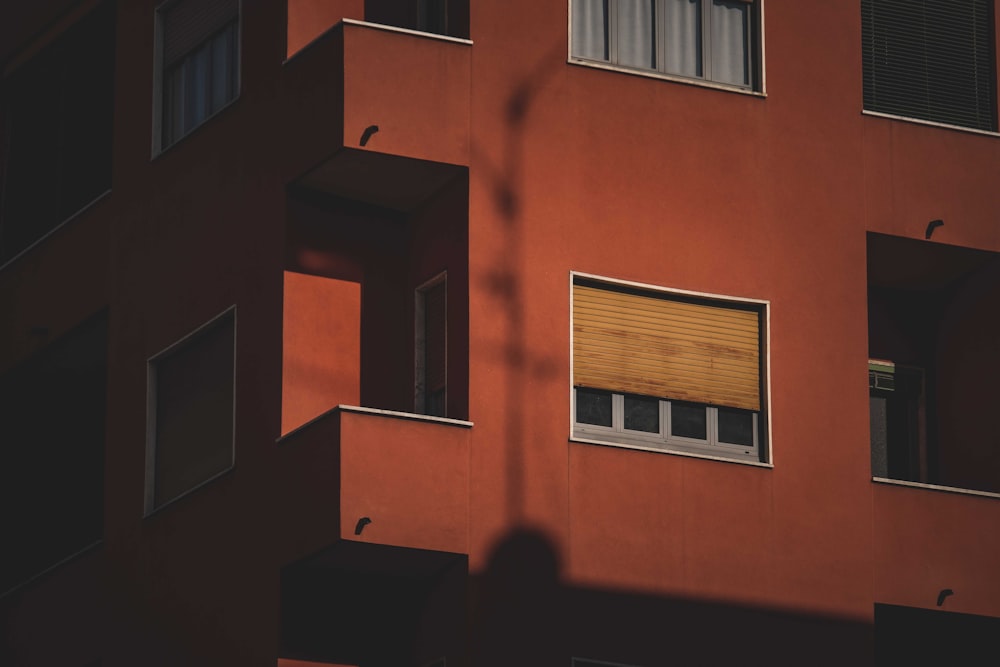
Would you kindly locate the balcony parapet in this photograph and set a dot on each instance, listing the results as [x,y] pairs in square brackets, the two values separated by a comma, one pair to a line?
[362,90]
[408,474]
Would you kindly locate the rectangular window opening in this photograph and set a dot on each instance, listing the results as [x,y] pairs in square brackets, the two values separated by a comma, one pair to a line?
[932,60]
[191,411]
[668,371]
[198,64]
[712,40]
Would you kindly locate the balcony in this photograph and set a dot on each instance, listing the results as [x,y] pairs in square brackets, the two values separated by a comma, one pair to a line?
[376,113]
[408,475]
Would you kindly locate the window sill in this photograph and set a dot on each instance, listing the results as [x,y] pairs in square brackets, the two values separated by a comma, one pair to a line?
[935,487]
[929,123]
[96,544]
[82,210]
[674,452]
[200,485]
[159,150]
[653,74]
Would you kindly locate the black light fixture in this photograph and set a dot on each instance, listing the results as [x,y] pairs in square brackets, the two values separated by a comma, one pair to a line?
[931,226]
[945,592]
[367,134]
[360,525]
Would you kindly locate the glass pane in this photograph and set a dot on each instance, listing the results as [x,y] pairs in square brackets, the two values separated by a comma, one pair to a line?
[682,37]
[729,42]
[642,414]
[635,34]
[590,29]
[196,88]
[173,105]
[736,426]
[221,67]
[688,420]
[593,407]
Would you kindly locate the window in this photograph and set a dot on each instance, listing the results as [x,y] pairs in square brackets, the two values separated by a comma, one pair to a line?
[898,421]
[52,433]
[56,131]
[932,361]
[930,59]
[199,63]
[667,371]
[190,428]
[431,347]
[713,40]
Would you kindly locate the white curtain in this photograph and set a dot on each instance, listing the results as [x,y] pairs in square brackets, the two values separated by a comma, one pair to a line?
[682,37]
[729,47]
[590,29]
[635,34]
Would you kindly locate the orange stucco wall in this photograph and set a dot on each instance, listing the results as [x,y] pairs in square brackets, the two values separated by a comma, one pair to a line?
[563,168]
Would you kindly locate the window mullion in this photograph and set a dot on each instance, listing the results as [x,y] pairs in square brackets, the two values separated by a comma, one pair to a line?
[706,40]
[712,425]
[618,413]
[613,31]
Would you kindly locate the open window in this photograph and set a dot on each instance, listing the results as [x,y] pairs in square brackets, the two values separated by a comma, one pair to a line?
[665,370]
[932,326]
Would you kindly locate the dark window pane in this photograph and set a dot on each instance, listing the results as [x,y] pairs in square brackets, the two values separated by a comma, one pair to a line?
[593,407]
[736,426]
[642,414]
[687,420]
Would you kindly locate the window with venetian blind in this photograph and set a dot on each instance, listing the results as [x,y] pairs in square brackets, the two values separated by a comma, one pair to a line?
[199,63]
[930,60]
[668,371]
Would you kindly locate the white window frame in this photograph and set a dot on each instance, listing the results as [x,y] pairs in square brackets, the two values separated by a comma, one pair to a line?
[756,52]
[617,435]
[665,438]
[420,343]
[158,146]
[150,506]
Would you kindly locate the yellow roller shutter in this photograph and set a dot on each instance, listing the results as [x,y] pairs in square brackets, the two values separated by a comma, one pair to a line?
[637,344]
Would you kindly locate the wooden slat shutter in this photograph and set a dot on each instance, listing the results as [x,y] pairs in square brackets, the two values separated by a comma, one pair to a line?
[188,23]
[636,344]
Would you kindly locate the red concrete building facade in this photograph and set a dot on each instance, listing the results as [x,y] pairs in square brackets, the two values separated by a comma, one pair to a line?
[433,332]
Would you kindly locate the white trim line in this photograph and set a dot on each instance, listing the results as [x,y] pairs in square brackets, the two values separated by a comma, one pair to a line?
[86,207]
[935,487]
[670,290]
[405,31]
[931,123]
[674,452]
[372,411]
[405,415]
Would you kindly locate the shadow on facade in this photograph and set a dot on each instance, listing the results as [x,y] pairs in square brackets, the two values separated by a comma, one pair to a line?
[374,606]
